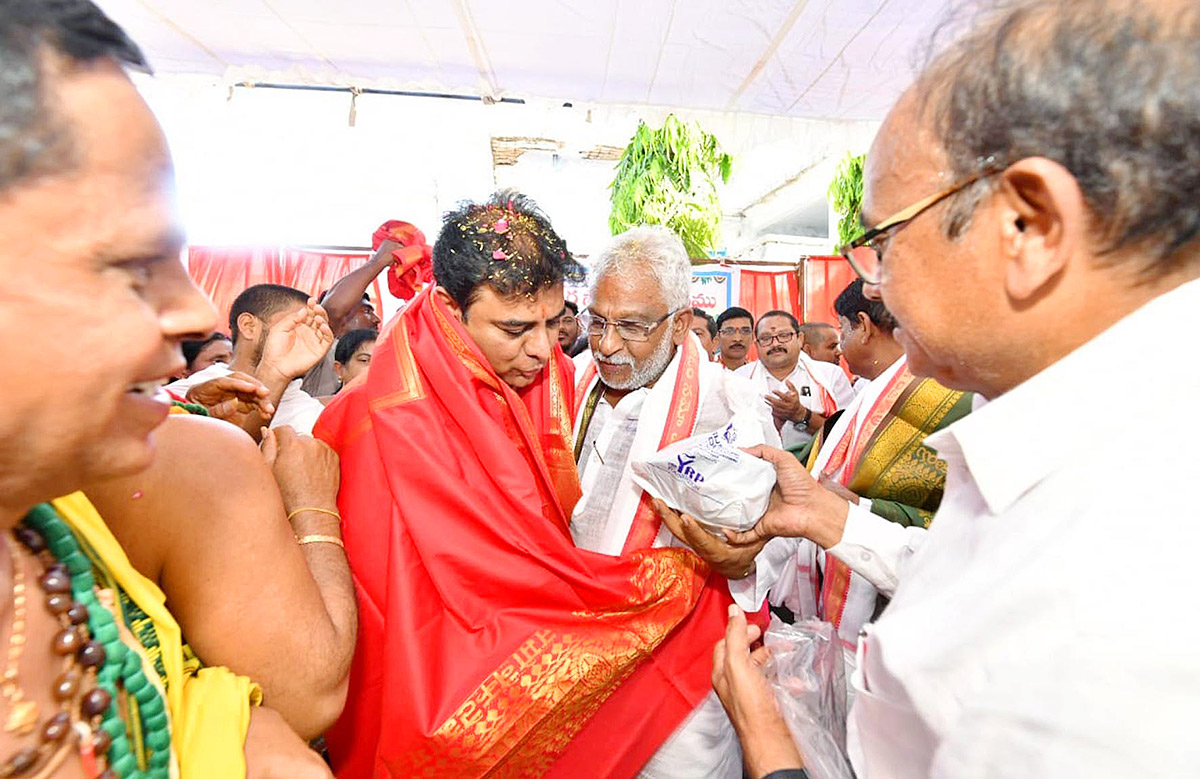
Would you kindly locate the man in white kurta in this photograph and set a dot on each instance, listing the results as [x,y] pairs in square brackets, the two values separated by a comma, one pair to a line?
[643,275]
[802,392]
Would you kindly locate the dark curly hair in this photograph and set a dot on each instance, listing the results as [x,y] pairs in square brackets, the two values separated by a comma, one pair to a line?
[192,347]
[851,302]
[506,243]
[348,344]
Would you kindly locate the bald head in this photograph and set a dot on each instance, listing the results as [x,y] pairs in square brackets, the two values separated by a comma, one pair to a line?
[820,341]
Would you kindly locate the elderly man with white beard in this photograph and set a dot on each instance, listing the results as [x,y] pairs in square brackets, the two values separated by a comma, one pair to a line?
[651,384]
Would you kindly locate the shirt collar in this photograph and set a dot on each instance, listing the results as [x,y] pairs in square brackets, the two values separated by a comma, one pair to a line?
[1012,443]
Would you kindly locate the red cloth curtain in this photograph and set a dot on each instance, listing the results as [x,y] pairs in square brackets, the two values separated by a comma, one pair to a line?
[223,272]
[763,291]
[824,280]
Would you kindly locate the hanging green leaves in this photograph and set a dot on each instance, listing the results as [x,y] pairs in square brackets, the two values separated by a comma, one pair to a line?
[669,177]
[846,194]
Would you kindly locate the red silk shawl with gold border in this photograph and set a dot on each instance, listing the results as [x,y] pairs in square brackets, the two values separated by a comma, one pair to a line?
[489,645]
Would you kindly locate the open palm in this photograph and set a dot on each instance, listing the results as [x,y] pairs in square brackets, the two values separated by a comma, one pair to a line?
[298,342]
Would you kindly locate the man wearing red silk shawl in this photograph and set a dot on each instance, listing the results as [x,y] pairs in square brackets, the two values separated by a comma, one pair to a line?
[489,645]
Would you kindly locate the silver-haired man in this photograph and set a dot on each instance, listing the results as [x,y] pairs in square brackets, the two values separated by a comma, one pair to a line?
[651,383]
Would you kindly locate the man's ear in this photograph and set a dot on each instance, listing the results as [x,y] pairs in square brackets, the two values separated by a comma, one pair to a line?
[681,326]
[449,302]
[1043,219]
[249,327]
[866,325]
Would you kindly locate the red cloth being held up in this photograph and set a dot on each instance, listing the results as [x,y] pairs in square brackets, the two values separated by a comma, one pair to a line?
[412,263]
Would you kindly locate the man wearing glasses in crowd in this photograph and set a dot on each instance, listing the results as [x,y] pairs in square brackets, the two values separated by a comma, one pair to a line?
[801,391]
[735,328]
[650,384]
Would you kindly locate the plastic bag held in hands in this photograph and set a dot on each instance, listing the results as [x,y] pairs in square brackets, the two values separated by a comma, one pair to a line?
[412,263]
[807,675]
[711,478]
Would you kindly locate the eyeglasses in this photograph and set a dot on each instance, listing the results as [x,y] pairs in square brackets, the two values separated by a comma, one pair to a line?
[728,331]
[627,329]
[782,338]
[865,253]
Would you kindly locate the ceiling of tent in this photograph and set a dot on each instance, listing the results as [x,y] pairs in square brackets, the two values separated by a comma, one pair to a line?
[836,59]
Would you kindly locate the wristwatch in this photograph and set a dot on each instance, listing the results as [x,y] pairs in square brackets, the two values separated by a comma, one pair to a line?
[807,418]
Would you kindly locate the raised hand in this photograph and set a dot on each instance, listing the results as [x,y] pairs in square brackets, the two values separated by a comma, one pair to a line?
[296,343]
[732,562]
[785,404]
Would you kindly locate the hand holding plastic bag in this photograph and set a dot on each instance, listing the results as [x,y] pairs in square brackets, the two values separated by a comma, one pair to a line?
[806,673]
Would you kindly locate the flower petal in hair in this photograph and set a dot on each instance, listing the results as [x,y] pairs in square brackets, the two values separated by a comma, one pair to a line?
[499,255]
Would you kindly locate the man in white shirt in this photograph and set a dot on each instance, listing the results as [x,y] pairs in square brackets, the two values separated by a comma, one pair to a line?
[278,335]
[801,391]
[650,385]
[1026,635]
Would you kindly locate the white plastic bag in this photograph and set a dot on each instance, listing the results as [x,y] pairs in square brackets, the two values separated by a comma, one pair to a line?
[711,478]
[807,675]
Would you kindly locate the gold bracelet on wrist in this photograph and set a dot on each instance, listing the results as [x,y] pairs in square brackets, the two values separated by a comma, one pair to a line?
[320,539]
[330,512]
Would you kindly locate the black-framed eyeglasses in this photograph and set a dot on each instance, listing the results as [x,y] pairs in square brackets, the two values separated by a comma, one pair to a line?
[783,338]
[865,253]
[728,331]
[627,329]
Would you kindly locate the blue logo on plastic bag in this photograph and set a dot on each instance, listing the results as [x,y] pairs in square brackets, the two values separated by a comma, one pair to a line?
[683,466]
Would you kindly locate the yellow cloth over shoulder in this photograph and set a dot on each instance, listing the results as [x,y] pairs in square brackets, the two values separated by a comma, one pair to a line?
[210,709]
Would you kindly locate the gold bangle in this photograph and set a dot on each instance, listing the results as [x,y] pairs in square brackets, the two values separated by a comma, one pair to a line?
[317,539]
[319,511]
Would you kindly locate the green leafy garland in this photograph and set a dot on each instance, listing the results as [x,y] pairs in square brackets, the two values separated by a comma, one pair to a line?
[846,194]
[669,177]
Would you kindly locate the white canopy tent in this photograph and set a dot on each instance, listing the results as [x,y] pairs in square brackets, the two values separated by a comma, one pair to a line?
[555,89]
[827,59]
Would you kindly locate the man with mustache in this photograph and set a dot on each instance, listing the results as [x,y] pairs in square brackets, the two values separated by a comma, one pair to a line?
[735,328]
[801,391]
[651,384]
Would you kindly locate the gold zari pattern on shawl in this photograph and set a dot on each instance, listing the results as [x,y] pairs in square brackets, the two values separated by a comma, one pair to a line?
[548,689]
[896,465]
